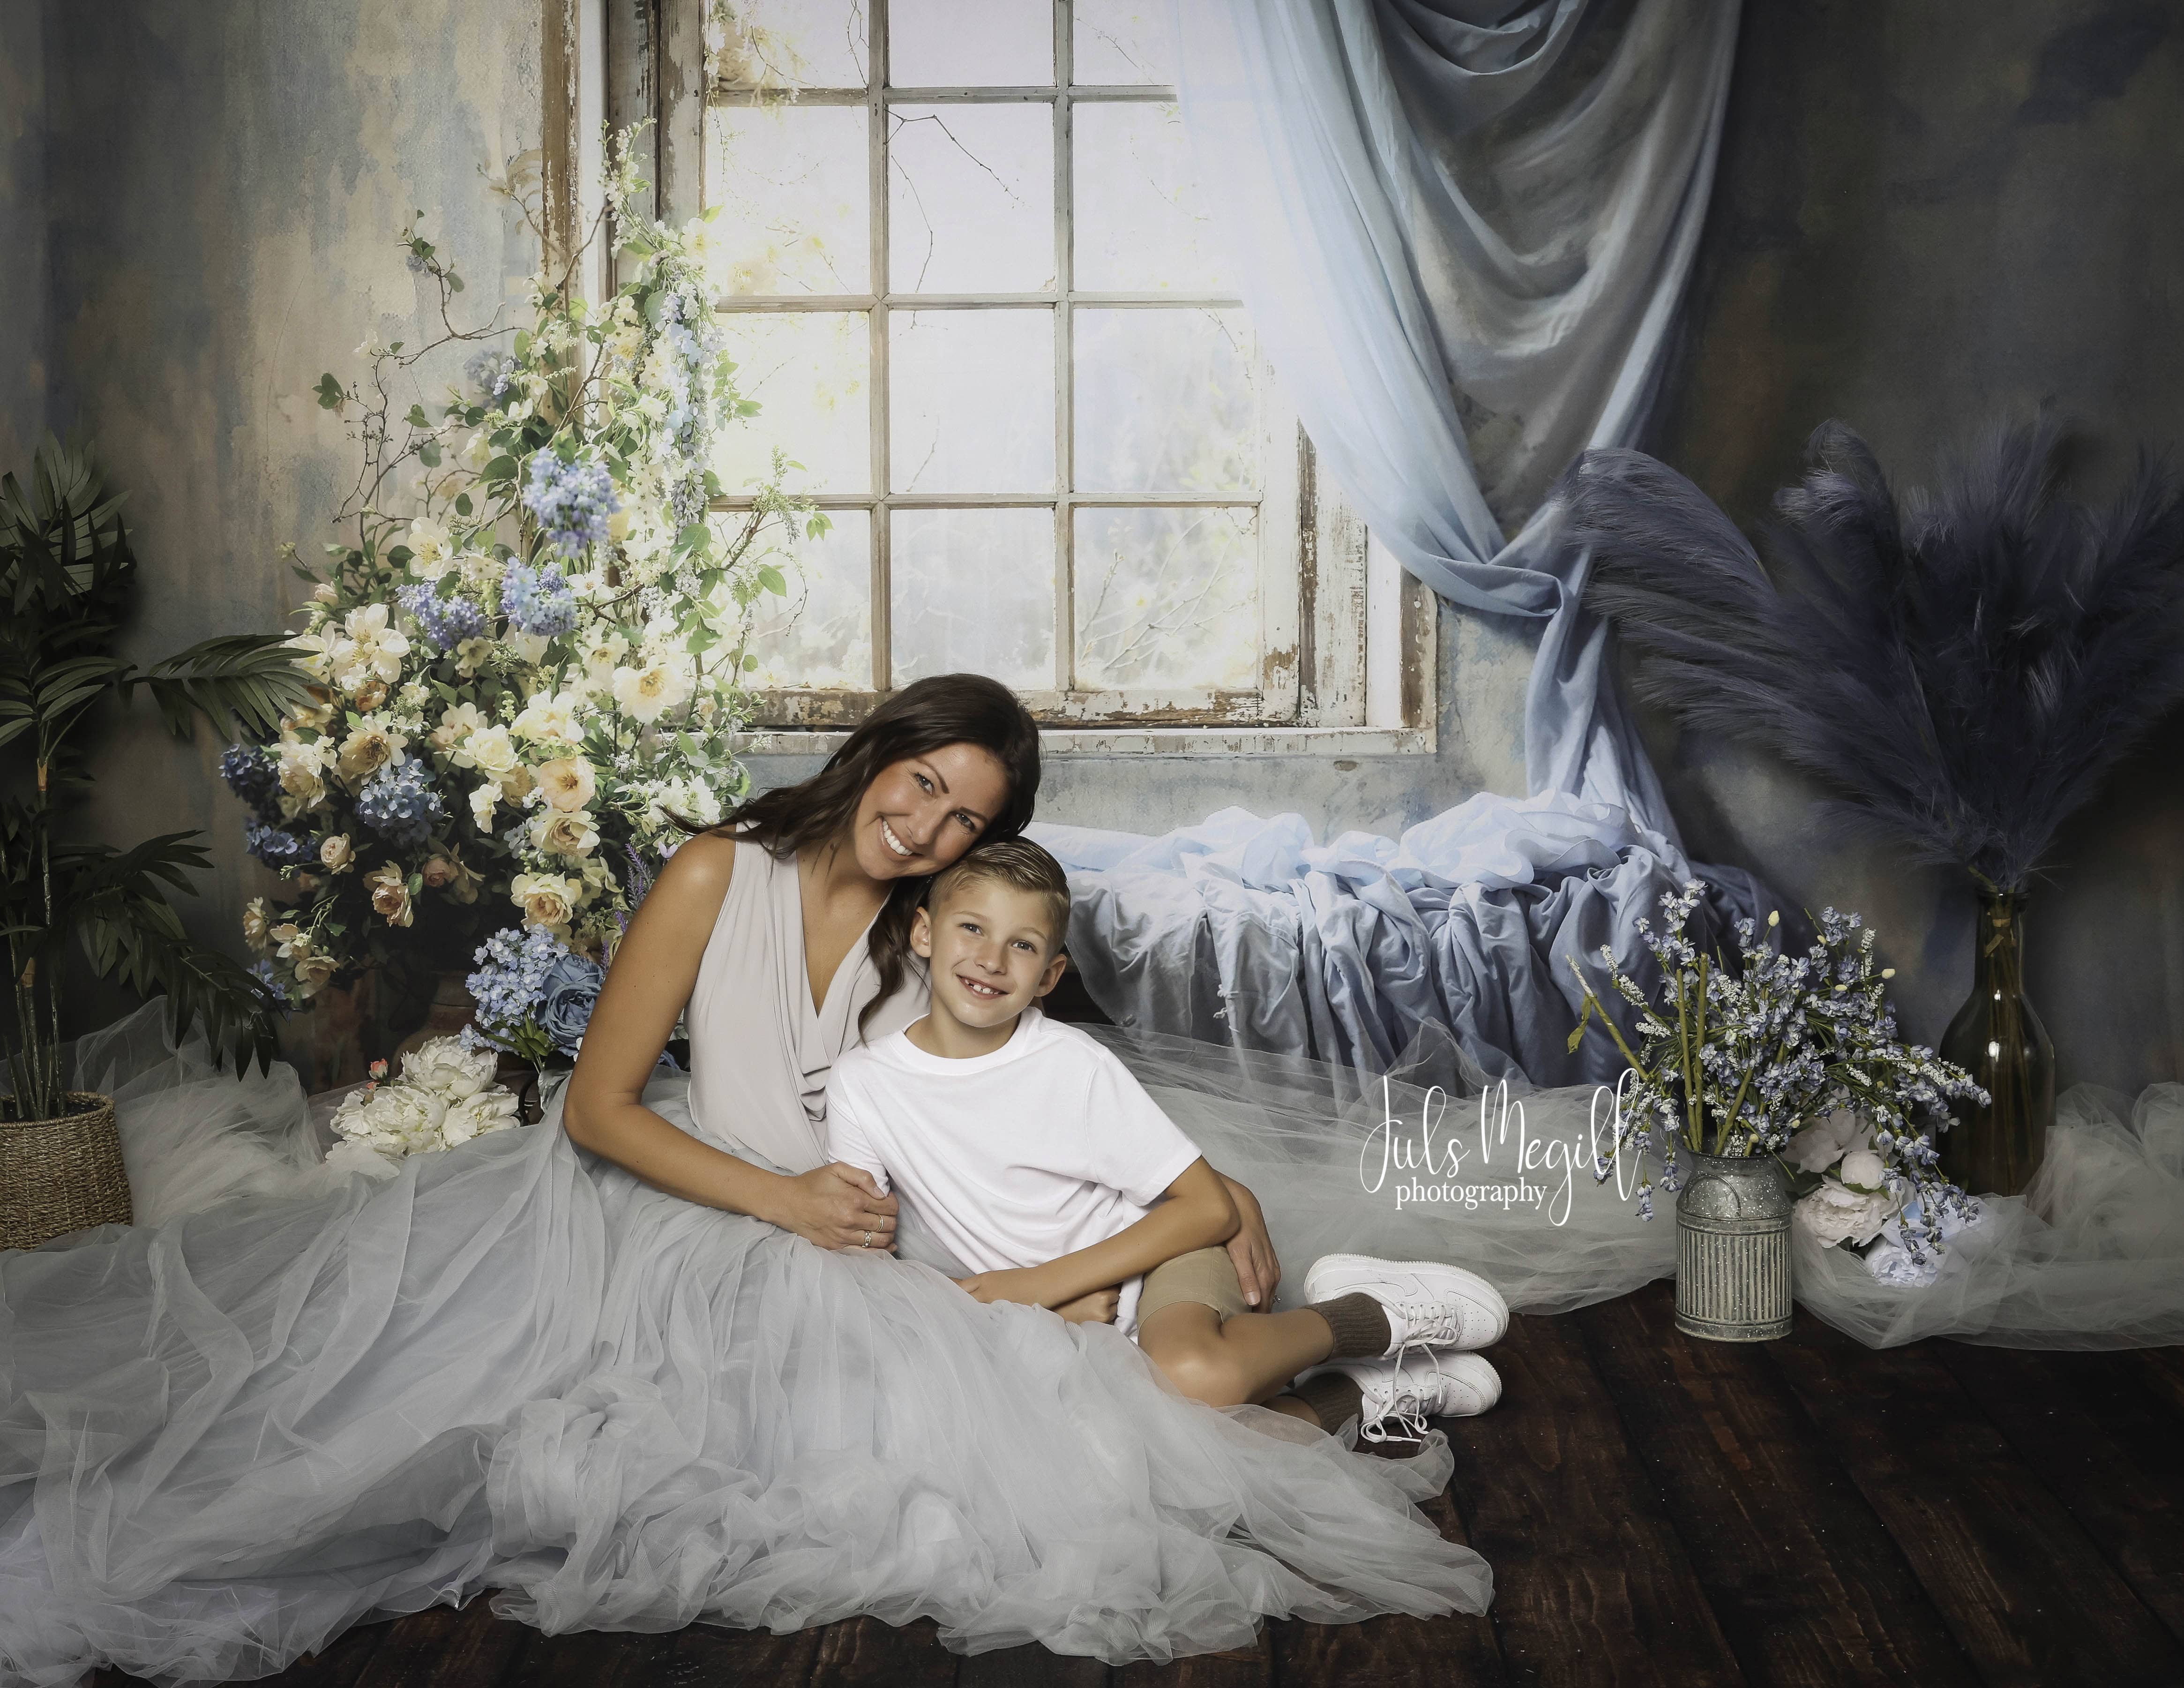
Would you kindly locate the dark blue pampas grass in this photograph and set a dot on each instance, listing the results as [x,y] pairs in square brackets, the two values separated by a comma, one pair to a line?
[1961,671]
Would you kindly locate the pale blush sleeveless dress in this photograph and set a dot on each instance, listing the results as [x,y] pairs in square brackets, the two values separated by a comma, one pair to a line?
[515,1367]
[759,1052]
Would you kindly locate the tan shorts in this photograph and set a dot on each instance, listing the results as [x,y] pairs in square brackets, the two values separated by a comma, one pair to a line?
[1206,1276]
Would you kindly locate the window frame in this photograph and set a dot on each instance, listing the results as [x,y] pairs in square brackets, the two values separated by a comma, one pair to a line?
[1317,673]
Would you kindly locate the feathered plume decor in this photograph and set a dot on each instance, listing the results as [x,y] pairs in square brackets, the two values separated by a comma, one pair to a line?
[1960,670]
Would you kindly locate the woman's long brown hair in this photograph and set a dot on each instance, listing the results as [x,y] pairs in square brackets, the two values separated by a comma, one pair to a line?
[923,718]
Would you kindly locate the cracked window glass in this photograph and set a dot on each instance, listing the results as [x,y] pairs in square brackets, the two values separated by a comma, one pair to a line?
[970,198]
[1140,224]
[973,401]
[794,183]
[1167,598]
[1005,628]
[1115,42]
[759,44]
[821,634]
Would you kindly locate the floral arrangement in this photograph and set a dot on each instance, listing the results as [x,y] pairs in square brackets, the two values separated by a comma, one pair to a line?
[526,652]
[446,1096]
[534,995]
[1795,1056]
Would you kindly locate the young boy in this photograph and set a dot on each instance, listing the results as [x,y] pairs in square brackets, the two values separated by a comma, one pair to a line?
[1037,1160]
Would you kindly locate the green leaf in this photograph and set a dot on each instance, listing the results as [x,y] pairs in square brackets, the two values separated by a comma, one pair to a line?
[502,468]
[703,640]
[750,663]
[772,580]
[330,393]
[429,453]
[462,503]
[417,418]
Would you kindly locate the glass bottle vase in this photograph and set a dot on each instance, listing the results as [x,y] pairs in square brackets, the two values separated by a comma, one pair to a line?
[1999,1041]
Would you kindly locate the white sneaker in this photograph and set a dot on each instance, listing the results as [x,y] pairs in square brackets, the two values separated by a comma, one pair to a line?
[1429,1304]
[1424,1383]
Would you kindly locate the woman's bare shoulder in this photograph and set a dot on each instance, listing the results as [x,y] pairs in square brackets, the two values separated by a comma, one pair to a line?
[693,884]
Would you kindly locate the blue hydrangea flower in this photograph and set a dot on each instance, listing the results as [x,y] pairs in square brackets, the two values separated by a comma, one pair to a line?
[399,803]
[446,621]
[273,846]
[513,966]
[571,499]
[491,372]
[253,773]
[537,601]
[565,998]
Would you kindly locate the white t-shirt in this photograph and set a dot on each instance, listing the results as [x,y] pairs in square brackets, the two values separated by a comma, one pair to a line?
[1044,1146]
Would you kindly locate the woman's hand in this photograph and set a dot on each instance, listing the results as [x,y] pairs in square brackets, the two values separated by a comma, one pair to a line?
[837,1206]
[1252,1250]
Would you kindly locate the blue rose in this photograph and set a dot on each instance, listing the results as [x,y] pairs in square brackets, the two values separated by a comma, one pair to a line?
[572,986]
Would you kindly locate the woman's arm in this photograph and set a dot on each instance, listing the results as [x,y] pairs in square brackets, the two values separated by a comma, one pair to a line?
[1197,1214]
[655,970]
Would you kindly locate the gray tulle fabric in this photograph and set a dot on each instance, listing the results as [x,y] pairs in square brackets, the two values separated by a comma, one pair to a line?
[1443,954]
[283,1403]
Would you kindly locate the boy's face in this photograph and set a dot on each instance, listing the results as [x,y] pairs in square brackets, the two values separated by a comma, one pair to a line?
[987,946]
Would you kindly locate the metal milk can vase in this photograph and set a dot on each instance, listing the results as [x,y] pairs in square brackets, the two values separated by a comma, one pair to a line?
[1732,1247]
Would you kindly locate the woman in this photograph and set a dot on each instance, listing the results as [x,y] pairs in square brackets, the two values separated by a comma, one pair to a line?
[833,870]
[616,1386]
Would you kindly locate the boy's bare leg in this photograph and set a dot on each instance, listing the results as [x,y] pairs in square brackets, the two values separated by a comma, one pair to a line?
[1248,1358]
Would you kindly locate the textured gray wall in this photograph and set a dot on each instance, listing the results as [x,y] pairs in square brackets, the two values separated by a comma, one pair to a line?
[26,321]
[1925,211]
[227,180]
[1928,215]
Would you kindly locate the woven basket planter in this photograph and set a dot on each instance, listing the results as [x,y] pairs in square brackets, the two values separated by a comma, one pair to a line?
[60,1175]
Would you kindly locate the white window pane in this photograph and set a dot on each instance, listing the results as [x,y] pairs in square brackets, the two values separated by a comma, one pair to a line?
[788,44]
[809,370]
[1140,224]
[1167,599]
[973,401]
[821,634]
[1116,42]
[970,198]
[1167,401]
[970,43]
[794,183]
[972,590]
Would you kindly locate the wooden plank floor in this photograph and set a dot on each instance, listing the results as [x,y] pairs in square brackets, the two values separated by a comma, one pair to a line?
[1657,1511]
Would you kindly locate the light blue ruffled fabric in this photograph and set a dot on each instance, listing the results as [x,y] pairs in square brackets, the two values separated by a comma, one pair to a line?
[1444,954]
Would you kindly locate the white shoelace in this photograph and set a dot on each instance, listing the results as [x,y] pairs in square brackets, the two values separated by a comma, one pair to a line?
[1431,1322]
[1407,1405]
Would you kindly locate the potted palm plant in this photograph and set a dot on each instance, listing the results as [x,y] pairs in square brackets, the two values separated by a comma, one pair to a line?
[1960,671]
[66,574]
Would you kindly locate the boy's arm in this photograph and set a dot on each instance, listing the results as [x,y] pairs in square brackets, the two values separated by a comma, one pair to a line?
[1197,1214]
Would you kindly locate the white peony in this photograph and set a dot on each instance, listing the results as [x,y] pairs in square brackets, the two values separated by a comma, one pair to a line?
[1820,1145]
[450,1070]
[1833,1213]
[488,1110]
[647,692]
[550,718]
[490,751]
[1862,1169]
[457,722]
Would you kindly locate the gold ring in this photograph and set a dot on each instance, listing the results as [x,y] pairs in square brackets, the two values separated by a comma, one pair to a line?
[868,1239]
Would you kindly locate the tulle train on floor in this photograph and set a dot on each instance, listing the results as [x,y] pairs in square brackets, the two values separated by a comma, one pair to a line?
[225,1437]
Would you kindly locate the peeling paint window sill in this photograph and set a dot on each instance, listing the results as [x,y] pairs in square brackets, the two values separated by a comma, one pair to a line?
[1159,741]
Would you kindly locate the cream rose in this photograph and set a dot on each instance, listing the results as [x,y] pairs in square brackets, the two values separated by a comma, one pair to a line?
[559,833]
[390,893]
[368,748]
[457,723]
[257,924]
[312,972]
[566,784]
[547,899]
[550,719]
[490,751]
[337,853]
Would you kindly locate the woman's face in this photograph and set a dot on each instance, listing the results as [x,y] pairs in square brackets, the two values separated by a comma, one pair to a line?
[919,814]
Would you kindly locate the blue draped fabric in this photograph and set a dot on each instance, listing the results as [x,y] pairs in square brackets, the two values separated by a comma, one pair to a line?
[1443,955]
[1462,228]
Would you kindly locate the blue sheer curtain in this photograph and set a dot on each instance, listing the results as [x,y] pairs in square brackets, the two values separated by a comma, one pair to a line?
[1462,228]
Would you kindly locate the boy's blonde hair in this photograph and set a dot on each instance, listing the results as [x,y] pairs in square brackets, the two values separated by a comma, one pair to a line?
[1015,861]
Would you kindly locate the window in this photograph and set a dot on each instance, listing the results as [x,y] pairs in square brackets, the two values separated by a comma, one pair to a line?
[963,267]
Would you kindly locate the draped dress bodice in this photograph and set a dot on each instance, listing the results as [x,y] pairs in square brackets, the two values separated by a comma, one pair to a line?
[759,1052]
